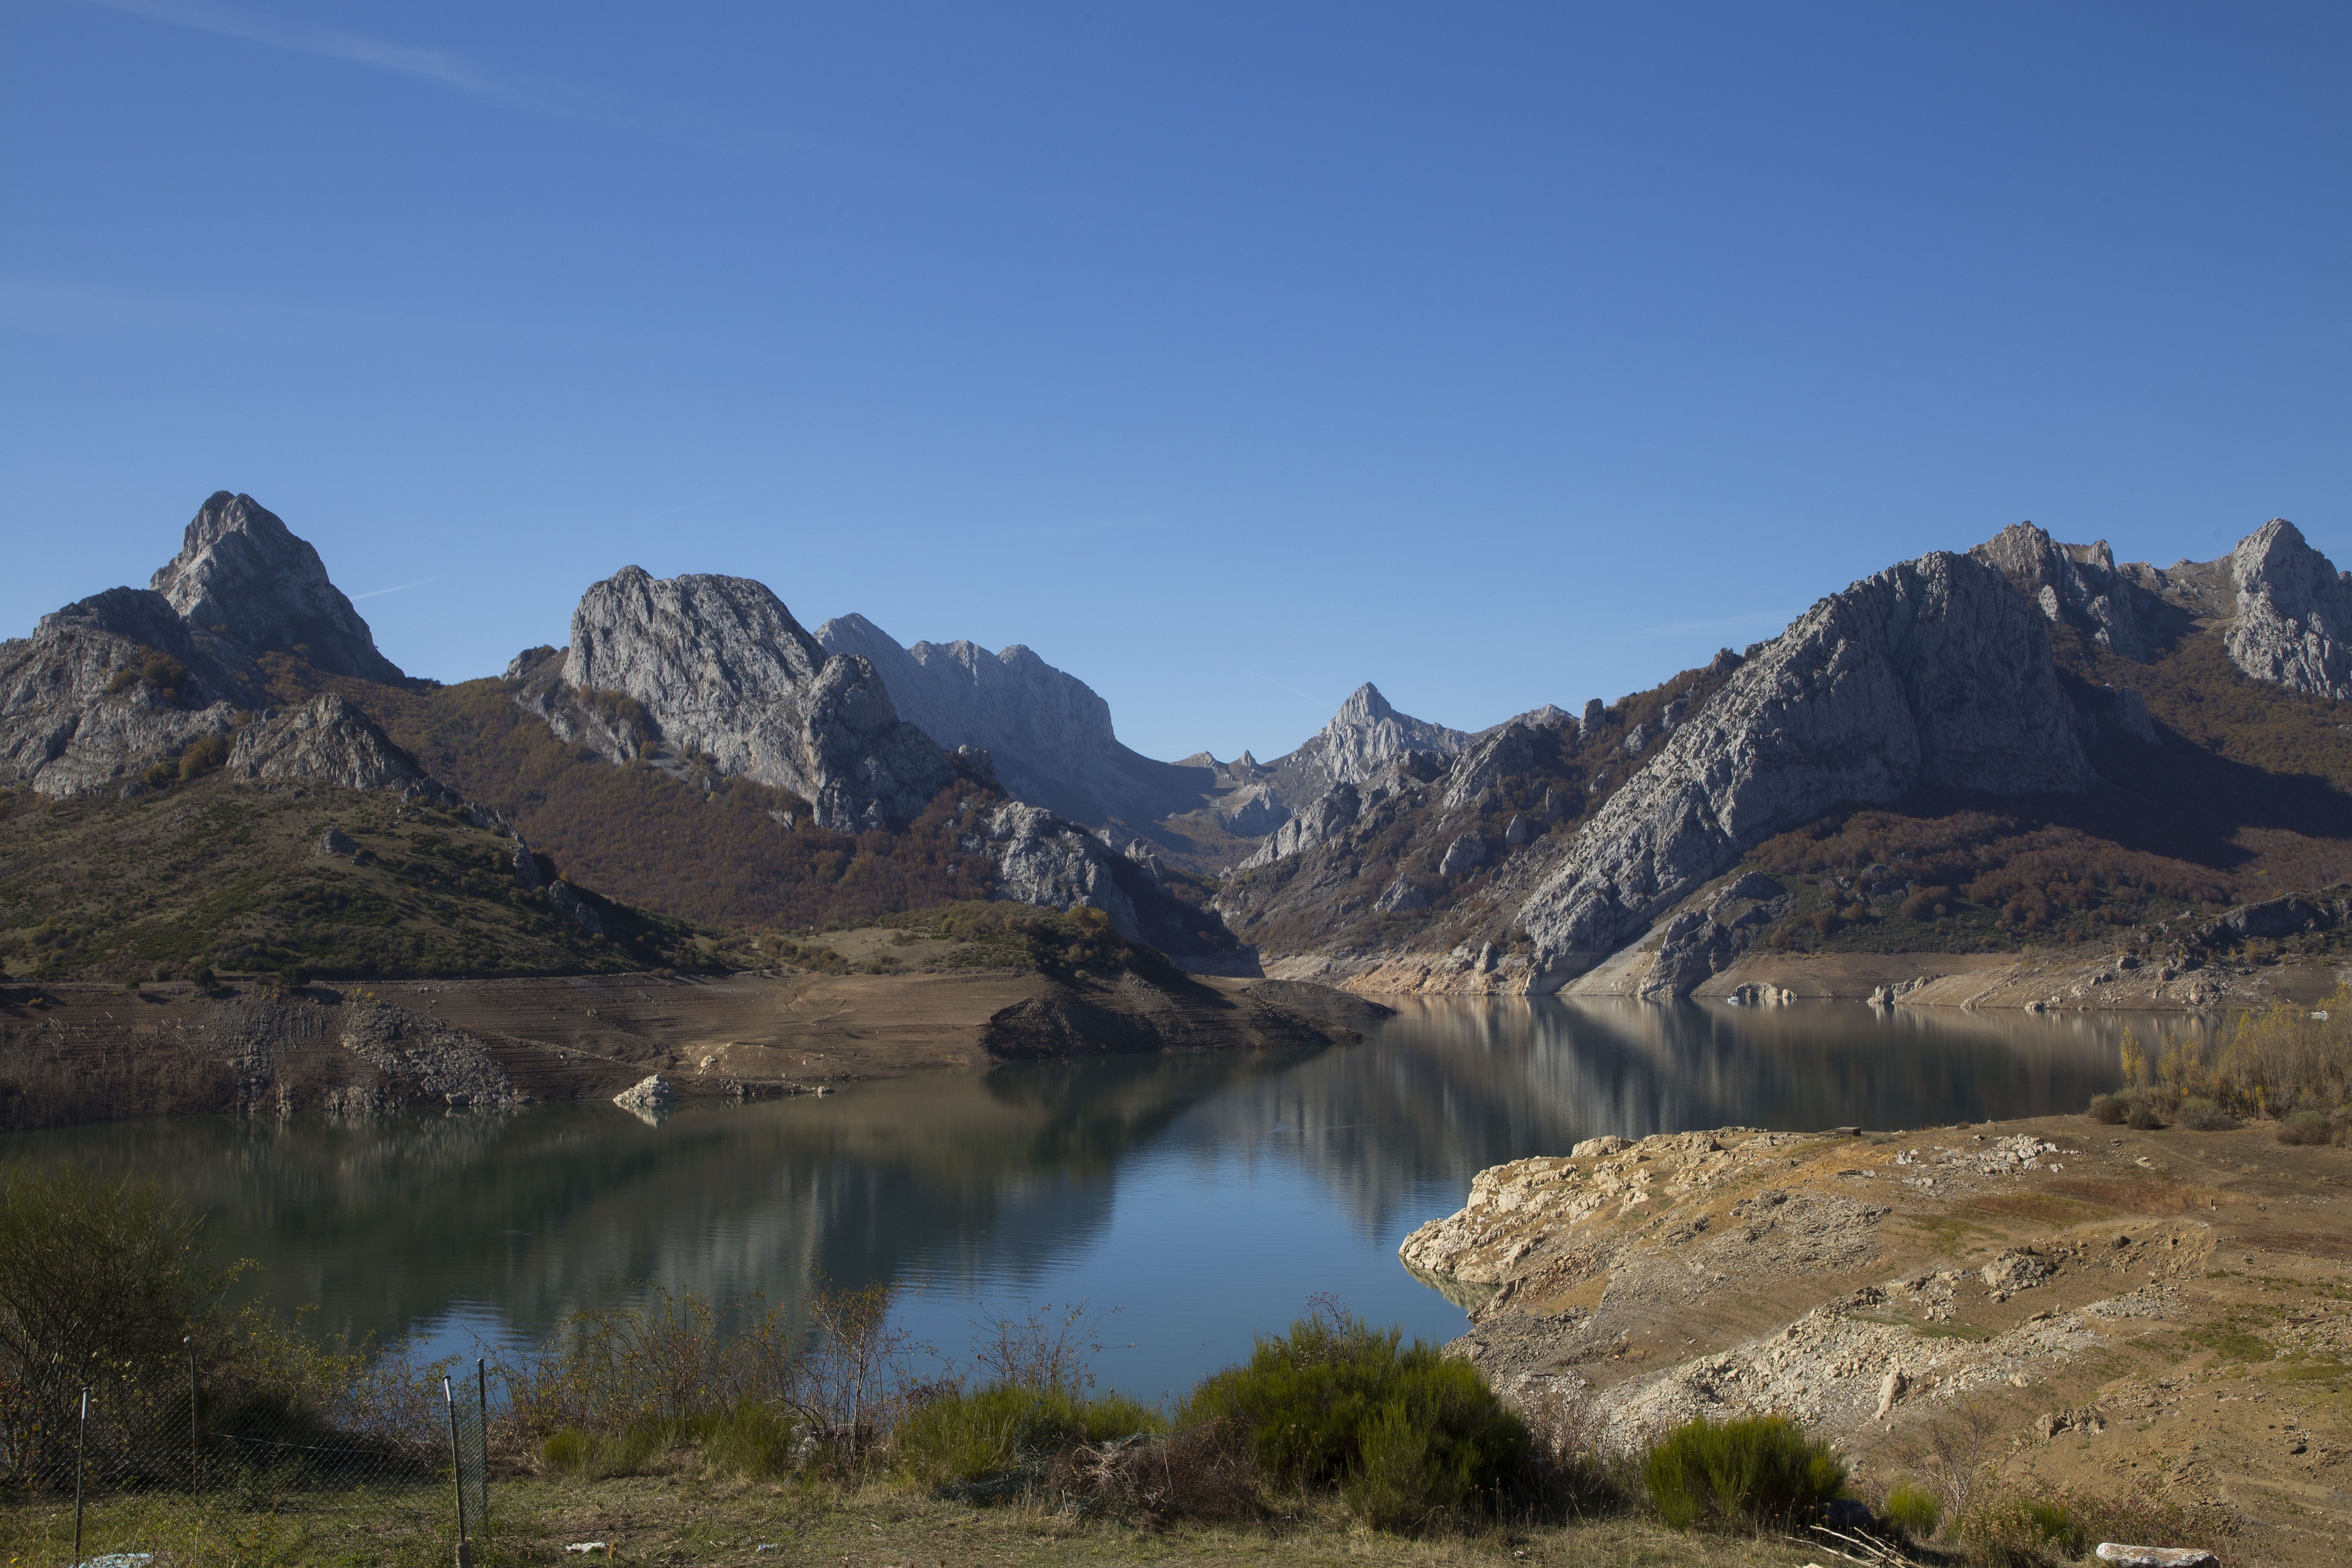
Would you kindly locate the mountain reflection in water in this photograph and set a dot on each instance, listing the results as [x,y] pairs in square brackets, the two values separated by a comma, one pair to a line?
[1202,1197]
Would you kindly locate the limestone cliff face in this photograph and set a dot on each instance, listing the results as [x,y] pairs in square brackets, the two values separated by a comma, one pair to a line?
[2078,585]
[241,573]
[1048,733]
[1931,672]
[1363,737]
[720,665]
[2293,621]
[327,740]
[108,686]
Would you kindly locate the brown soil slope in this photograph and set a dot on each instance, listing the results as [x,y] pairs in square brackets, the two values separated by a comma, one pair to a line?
[2166,1314]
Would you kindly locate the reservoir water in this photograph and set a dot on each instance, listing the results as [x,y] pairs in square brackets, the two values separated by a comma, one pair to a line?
[1191,1202]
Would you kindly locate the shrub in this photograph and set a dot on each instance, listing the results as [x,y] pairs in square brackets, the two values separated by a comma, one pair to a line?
[2110,1109]
[1005,1428]
[1752,1470]
[1913,1509]
[2306,1126]
[203,756]
[1409,1435]
[2143,1115]
[568,1448]
[2022,1532]
[752,1440]
[2202,1115]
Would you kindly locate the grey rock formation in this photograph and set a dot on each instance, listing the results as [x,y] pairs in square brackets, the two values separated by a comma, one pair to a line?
[1464,856]
[575,909]
[1362,737]
[334,843]
[1402,896]
[1046,861]
[720,667]
[1048,733]
[1493,756]
[1702,942]
[2125,714]
[243,575]
[108,686]
[1596,713]
[1323,819]
[2076,585]
[2293,621]
[1934,671]
[327,740]
[526,868]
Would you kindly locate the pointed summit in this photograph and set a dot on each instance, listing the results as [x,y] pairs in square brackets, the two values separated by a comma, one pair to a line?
[1364,708]
[242,573]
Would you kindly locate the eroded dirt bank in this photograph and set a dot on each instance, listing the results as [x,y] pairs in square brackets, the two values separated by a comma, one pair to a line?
[2082,1306]
[89,1053]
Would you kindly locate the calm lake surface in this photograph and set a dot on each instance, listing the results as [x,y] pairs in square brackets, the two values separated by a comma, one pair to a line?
[1190,1201]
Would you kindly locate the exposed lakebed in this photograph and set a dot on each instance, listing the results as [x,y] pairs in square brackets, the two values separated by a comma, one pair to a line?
[1191,1200]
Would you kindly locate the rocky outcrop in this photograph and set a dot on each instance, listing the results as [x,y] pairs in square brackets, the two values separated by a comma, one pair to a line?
[2294,620]
[1048,733]
[1363,737]
[328,741]
[2073,584]
[720,665]
[109,686]
[1931,672]
[1322,819]
[1046,861]
[243,575]
[1700,943]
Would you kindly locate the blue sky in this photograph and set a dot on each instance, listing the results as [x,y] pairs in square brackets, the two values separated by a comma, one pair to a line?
[1228,356]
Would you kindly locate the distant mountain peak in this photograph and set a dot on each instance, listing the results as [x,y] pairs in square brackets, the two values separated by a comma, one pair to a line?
[1365,706]
[242,572]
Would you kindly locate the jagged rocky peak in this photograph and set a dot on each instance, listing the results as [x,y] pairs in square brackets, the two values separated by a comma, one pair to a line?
[1048,733]
[1363,737]
[2075,584]
[327,740]
[720,665]
[2294,620]
[242,573]
[1931,672]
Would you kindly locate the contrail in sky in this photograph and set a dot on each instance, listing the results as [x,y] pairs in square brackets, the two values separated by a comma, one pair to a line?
[380,593]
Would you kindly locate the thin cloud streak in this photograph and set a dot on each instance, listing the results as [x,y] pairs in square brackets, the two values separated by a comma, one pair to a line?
[380,593]
[1292,689]
[455,73]
[437,65]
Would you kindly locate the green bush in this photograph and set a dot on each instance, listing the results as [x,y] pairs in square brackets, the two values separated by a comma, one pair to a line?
[2202,1115]
[569,1450]
[2110,1109]
[1407,1435]
[752,1440]
[1751,1470]
[2143,1117]
[1913,1509]
[2306,1126]
[992,1431]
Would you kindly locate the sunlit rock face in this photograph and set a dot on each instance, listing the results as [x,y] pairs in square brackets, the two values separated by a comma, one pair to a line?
[1934,671]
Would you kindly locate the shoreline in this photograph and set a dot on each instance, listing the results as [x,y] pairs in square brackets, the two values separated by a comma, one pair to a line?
[75,1053]
[2081,1306]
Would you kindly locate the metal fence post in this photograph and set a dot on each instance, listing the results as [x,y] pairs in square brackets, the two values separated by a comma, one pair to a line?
[457,1477]
[482,1396]
[81,1441]
[195,1438]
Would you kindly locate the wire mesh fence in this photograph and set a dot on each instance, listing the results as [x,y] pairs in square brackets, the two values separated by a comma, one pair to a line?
[129,1471]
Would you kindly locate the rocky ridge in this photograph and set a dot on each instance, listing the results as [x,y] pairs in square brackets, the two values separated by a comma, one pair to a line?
[720,667]
[1931,672]
[243,575]
[1048,733]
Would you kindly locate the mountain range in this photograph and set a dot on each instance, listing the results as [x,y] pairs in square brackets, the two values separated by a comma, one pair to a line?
[2026,742]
